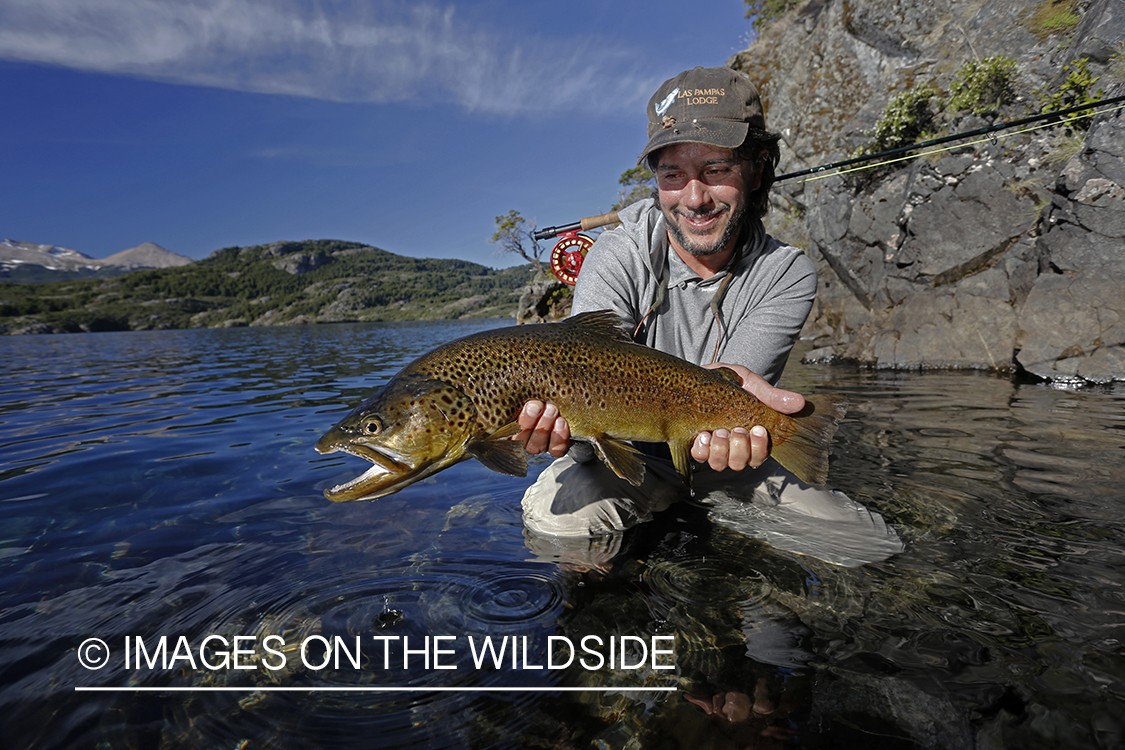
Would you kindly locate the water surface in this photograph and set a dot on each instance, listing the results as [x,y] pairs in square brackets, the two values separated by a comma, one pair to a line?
[164,484]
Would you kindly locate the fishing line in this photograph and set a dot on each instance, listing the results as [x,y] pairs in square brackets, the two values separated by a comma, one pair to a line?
[821,172]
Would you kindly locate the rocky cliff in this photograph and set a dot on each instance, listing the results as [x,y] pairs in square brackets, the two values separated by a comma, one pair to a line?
[1004,252]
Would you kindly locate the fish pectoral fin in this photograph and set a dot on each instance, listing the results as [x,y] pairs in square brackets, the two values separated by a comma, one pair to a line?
[681,458]
[622,458]
[500,454]
[728,374]
[512,428]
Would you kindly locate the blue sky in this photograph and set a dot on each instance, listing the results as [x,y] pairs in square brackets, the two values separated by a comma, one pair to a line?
[201,124]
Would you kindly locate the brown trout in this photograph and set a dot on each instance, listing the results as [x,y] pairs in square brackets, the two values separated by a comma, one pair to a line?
[461,401]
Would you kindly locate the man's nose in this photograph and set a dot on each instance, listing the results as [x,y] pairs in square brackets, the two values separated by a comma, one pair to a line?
[696,194]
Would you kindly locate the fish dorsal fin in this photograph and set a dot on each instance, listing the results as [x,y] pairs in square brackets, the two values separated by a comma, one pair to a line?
[499,453]
[600,322]
[728,374]
[622,458]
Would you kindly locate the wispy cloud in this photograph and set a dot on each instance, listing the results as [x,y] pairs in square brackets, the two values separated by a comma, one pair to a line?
[361,52]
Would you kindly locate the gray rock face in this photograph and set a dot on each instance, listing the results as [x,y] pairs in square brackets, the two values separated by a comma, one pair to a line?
[1006,254]
[1072,324]
[545,300]
[299,263]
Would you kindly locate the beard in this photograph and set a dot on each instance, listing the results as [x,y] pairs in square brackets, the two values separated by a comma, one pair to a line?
[699,246]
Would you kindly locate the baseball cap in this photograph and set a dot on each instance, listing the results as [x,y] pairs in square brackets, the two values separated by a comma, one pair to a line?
[716,106]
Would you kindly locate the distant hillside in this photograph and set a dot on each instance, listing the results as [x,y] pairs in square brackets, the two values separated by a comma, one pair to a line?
[315,281]
[30,263]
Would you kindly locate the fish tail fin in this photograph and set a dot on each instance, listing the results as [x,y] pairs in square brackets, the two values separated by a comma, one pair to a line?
[805,450]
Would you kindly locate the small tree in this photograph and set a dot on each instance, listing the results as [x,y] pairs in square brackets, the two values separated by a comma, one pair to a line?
[515,235]
[764,11]
[637,183]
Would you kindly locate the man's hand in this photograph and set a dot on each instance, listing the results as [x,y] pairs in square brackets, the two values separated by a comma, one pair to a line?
[737,449]
[542,429]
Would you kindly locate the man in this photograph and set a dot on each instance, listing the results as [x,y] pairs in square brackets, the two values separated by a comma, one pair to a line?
[711,200]
[692,273]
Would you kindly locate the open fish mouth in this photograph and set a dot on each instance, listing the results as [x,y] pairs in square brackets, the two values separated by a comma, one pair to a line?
[385,473]
[367,484]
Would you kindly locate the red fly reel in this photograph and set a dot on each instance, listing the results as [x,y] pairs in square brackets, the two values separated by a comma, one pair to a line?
[567,256]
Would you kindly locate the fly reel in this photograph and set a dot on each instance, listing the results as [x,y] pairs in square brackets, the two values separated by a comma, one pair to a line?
[570,250]
[567,256]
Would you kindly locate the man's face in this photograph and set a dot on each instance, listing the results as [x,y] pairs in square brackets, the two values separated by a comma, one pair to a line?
[703,192]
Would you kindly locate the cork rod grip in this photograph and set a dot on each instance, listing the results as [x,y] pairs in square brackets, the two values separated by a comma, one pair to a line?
[591,222]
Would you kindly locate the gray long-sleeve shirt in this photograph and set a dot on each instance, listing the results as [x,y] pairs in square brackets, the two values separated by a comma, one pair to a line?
[770,294]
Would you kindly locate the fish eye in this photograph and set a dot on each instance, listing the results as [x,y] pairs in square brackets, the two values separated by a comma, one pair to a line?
[372,427]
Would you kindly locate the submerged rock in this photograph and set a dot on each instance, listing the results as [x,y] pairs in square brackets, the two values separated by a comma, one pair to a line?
[906,716]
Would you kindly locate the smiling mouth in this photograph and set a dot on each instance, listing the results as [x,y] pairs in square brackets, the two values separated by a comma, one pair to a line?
[701,223]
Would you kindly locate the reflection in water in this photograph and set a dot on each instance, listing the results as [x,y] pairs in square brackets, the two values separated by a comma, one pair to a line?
[164,484]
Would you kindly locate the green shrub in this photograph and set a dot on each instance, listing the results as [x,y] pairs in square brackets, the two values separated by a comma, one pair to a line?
[983,87]
[903,121]
[1074,91]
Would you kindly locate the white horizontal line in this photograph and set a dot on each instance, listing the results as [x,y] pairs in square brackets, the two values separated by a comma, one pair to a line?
[361,689]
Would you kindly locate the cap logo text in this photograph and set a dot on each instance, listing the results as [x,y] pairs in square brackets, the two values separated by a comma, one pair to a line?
[701,96]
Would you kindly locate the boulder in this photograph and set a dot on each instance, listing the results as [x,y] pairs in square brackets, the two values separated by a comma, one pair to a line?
[544,301]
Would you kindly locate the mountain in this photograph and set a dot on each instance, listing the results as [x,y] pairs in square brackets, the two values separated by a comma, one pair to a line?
[27,262]
[51,257]
[147,255]
[283,283]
